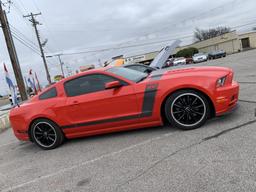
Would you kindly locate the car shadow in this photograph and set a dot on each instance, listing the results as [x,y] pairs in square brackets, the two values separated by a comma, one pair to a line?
[125,134]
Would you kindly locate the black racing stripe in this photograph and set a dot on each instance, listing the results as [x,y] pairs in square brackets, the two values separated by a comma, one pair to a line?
[106,121]
[149,98]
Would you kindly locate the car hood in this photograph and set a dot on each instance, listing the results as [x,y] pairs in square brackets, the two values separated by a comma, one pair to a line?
[169,72]
[160,60]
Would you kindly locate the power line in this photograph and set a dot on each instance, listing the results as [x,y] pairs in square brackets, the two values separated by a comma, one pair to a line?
[46,25]
[22,5]
[144,44]
[28,46]
[22,36]
[25,43]
[12,53]
[128,46]
[21,13]
[244,25]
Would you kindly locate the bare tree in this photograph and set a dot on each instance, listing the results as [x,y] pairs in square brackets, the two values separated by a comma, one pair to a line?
[201,34]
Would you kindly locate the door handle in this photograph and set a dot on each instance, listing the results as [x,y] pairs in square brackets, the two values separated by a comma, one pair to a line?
[75,103]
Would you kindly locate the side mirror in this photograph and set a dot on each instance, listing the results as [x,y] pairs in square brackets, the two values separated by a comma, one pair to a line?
[113,85]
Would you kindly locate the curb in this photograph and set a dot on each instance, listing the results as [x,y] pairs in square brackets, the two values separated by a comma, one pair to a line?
[4,122]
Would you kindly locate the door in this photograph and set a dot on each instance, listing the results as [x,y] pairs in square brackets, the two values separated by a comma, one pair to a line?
[89,103]
[245,43]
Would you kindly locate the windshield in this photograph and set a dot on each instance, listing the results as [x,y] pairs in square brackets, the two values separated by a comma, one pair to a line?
[132,75]
[199,54]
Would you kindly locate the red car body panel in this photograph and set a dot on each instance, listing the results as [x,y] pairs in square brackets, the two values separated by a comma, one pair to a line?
[137,105]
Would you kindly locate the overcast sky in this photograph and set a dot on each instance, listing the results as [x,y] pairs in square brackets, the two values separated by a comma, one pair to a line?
[75,26]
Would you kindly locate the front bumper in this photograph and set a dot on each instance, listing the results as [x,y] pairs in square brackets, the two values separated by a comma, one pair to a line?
[226,98]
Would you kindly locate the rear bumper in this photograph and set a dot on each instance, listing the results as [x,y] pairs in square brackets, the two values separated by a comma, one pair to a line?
[19,128]
[22,135]
[226,99]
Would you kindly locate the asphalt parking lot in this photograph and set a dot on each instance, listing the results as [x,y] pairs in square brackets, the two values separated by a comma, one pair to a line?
[220,156]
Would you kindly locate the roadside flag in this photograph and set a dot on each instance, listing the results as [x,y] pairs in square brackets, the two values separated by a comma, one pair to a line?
[37,82]
[31,81]
[11,86]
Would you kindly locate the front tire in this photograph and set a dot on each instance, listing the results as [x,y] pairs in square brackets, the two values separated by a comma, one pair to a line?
[187,109]
[46,134]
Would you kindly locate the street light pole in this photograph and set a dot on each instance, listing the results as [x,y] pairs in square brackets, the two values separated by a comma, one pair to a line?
[60,61]
[61,65]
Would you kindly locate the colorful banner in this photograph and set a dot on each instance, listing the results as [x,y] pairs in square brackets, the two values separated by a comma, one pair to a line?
[11,87]
[31,82]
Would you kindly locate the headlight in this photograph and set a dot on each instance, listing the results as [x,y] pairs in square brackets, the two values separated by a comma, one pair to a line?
[221,81]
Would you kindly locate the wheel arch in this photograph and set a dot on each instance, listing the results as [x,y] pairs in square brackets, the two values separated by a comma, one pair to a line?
[162,111]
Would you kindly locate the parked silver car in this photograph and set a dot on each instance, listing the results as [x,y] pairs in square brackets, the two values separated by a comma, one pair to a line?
[200,57]
[179,61]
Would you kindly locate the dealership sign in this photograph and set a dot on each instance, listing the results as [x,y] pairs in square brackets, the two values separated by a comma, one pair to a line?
[135,59]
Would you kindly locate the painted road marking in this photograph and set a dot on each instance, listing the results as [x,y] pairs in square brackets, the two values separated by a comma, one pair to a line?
[88,162]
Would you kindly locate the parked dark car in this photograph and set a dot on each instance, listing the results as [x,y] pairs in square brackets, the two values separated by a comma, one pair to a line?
[217,54]
[140,67]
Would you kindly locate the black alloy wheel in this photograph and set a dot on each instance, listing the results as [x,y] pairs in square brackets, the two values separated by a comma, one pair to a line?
[187,109]
[46,134]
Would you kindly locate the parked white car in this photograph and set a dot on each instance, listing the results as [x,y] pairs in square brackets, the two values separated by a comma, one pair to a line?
[179,61]
[200,57]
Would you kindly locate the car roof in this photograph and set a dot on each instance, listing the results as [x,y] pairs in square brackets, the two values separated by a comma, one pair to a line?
[84,73]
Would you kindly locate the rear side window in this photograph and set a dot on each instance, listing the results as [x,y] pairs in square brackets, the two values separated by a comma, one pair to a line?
[51,93]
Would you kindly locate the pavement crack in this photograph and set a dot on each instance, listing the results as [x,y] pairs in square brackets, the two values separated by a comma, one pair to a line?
[246,101]
[182,149]
[156,163]
[228,130]
[242,82]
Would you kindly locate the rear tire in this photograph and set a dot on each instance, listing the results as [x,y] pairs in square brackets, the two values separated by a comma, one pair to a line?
[46,134]
[187,109]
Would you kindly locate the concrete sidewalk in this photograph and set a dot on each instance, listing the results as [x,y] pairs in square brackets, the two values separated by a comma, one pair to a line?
[4,120]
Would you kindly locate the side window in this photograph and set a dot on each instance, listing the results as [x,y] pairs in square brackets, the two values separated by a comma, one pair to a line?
[87,84]
[51,93]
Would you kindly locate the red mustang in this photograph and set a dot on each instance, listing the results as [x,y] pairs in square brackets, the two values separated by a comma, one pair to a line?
[116,99]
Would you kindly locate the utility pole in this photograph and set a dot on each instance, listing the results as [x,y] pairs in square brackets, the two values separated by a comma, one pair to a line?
[61,63]
[12,53]
[35,23]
